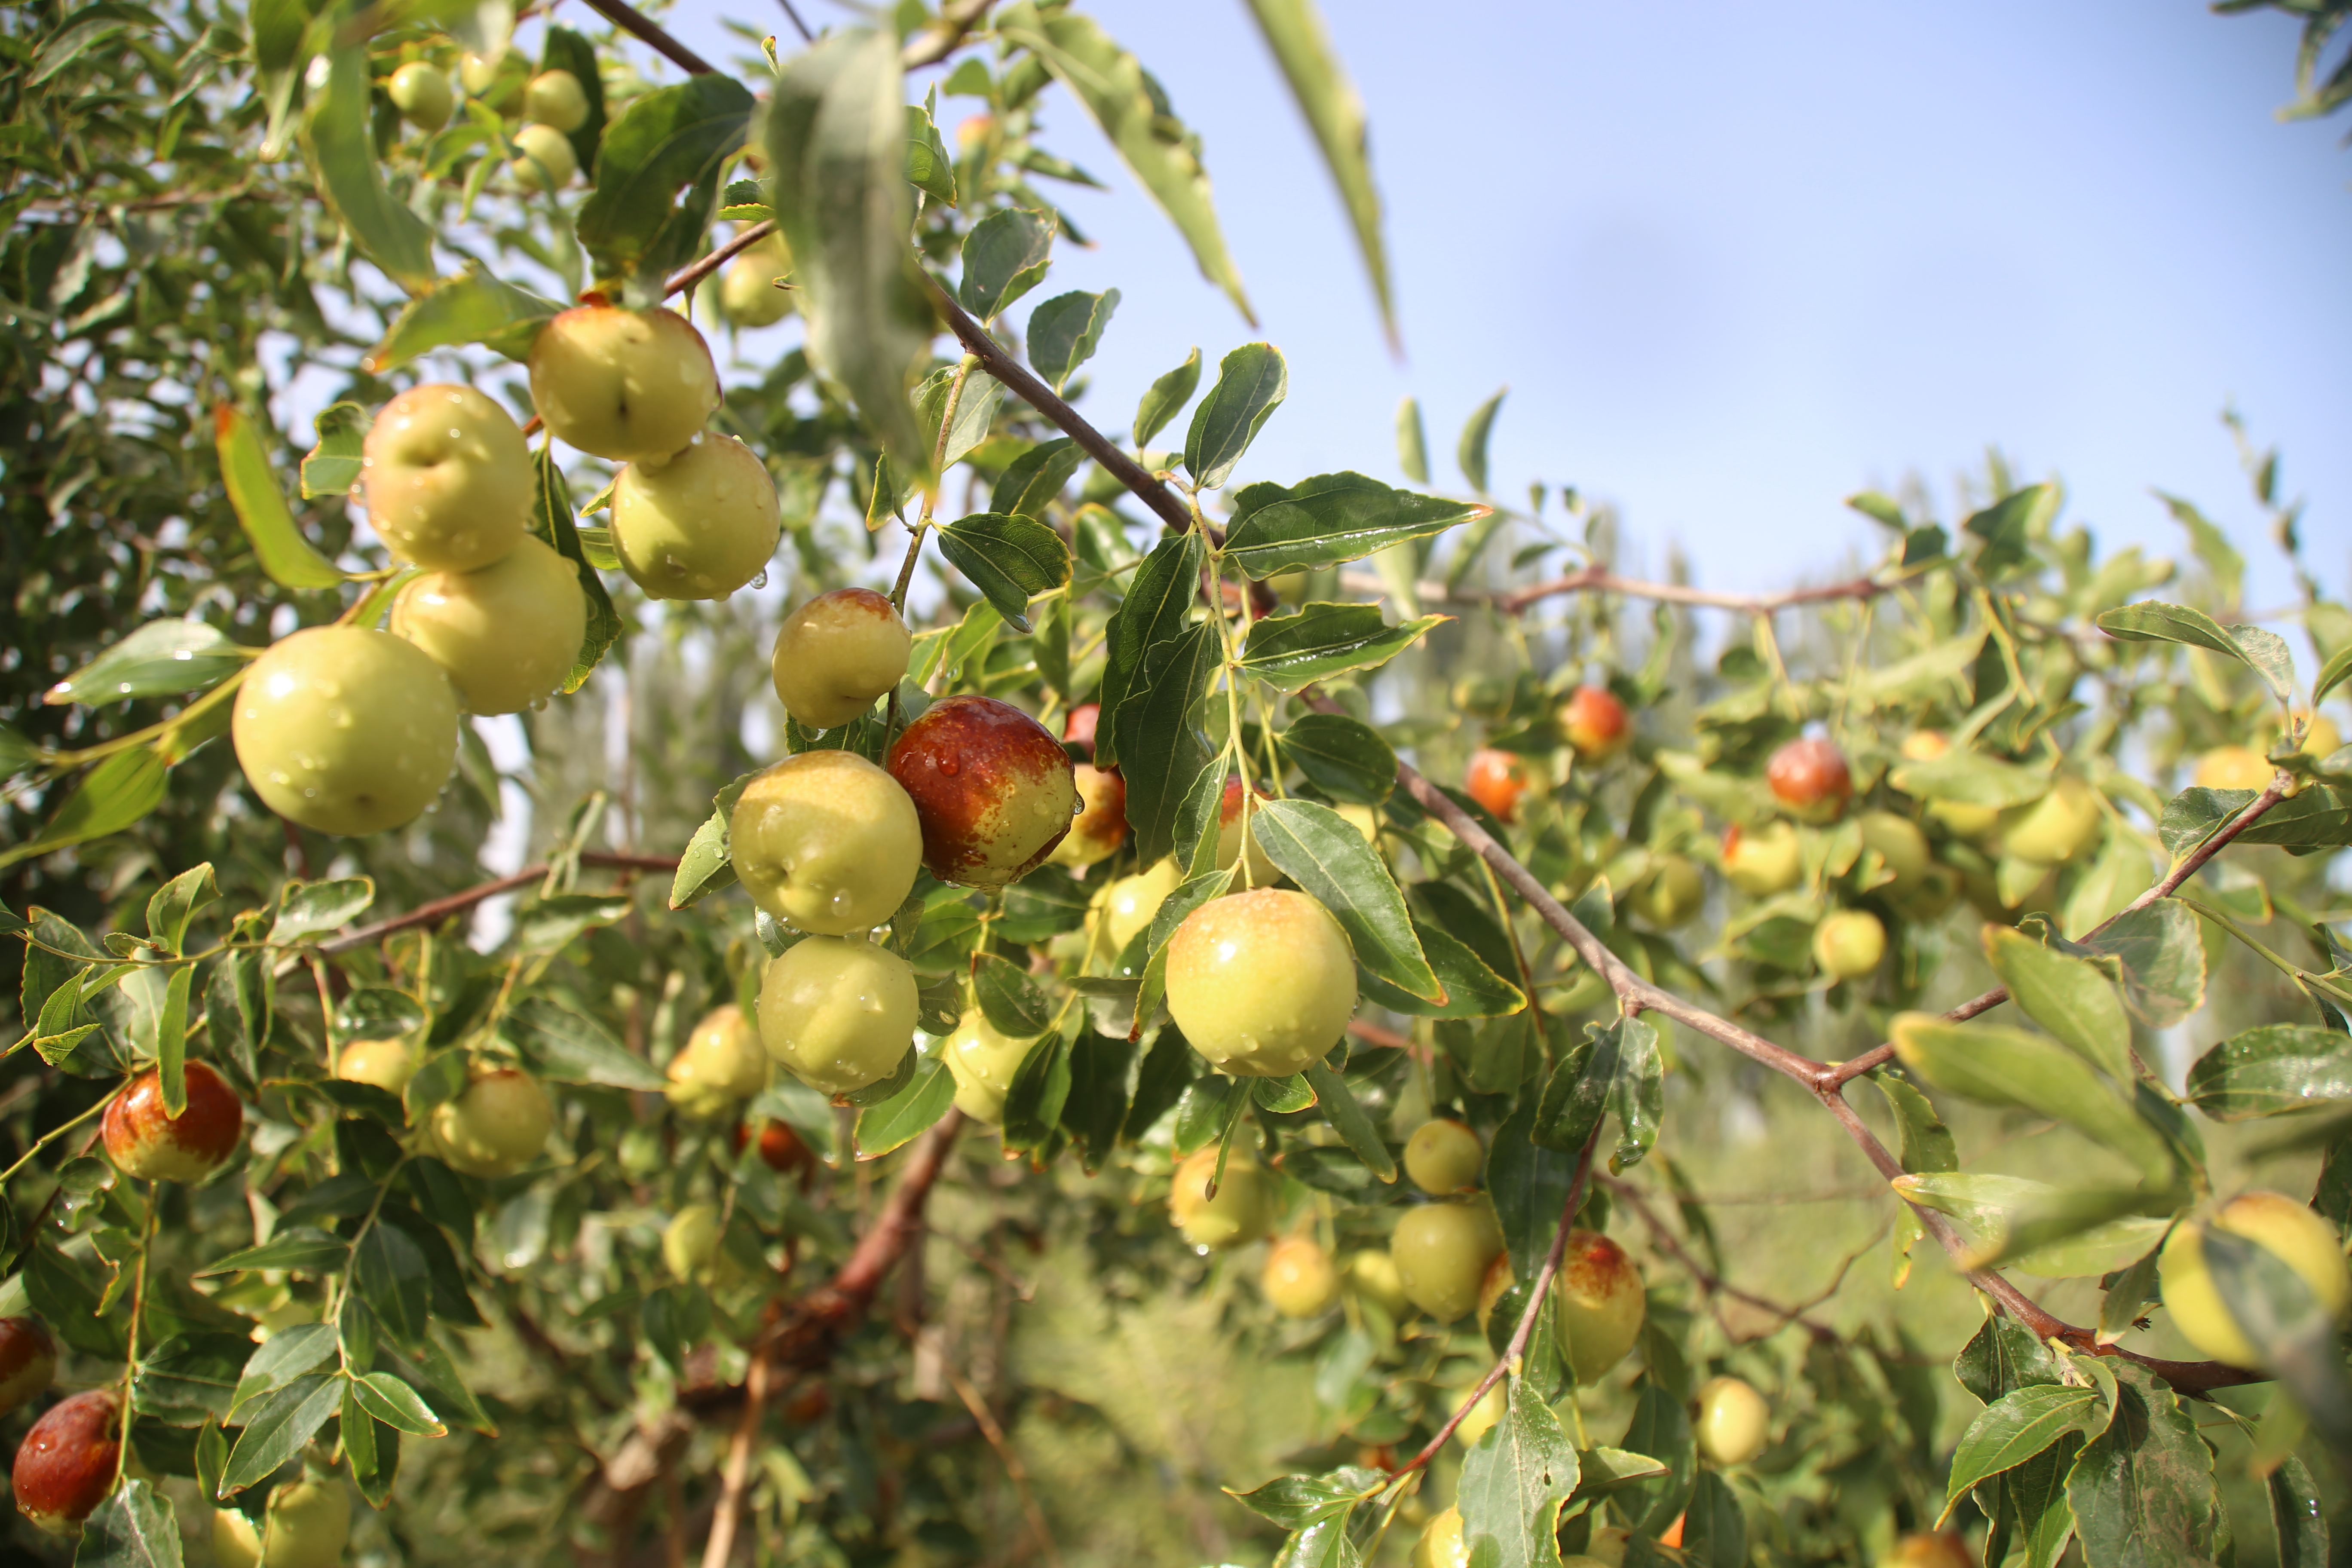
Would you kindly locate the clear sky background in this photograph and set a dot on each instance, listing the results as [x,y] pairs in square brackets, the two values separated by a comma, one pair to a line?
[1735,262]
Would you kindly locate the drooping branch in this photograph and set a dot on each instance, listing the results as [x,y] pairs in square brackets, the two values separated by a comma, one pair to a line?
[440,909]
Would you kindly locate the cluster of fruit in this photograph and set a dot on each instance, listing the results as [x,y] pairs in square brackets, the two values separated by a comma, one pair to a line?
[553,104]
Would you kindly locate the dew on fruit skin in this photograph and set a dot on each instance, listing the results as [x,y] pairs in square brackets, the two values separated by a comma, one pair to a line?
[949,766]
[758,581]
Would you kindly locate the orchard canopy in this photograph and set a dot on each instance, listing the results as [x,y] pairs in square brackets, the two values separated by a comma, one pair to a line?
[1058,1007]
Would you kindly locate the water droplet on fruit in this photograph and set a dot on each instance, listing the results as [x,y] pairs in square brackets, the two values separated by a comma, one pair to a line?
[758,581]
[539,704]
[950,766]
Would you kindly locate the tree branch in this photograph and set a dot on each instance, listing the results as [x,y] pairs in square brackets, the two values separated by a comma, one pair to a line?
[937,38]
[1714,1284]
[629,19]
[442,909]
[1600,580]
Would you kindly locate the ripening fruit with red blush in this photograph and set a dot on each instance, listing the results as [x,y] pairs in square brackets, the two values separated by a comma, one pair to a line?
[994,790]
[146,1142]
[1811,780]
[1600,1303]
[1078,728]
[1495,780]
[67,1464]
[1300,1279]
[1939,1551]
[836,654]
[28,1360]
[1101,824]
[1595,723]
[779,1147]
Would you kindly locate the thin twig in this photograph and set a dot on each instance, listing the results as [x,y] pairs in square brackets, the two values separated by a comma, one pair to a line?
[1601,580]
[1373,1034]
[993,1431]
[440,909]
[1714,1284]
[651,32]
[937,39]
[798,25]
[685,278]
[720,1544]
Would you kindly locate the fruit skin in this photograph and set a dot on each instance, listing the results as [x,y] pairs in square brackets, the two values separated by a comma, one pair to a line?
[2056,828]
[423,95]
[1372,1275]
[307,1525]
[1498,1279]
[1078,728]
[1595,723]
[1849,943]
[1900,845]
[839,1012]
[346,730]
[827,842]
[1931,1552]
[1733,1424]
[1601,1303]
[145,1142]
[1483,1415]
[387,1064]
[544,159]
[628,385]
[1675,892]
[506,633]
[1962,820]
[1247,1204]
[748,295]
[698,524]
[497,1127]
[1763,861]
[1924,745]
[1607,1547]
[1442,1542]
[556,98]
[1128,904]
[1442,1251]
[28,1361]
[1101,824]
[2302,1239]
[1495,780]
[1261,871]
[721,1065]
[836,654]
[1443,1157]
[67,1463]
[1261,983]
[2233,767]
[779,1147]
[994,791]
[1299,1278]
[446,474]
[1811,780]
[1362,819]
[983,1062]
[690,1247]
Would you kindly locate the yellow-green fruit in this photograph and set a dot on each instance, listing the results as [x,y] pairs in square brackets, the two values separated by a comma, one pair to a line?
[447,478]
[497,1127]
[544,159]
[1235,839]
[698,524]
[1483,1415]
[1849,943]
[1100,826]
[1443,1157]
[1964,821]
[556,98]
[1937,1551]
[827,842]
[1261,983]
[1299,1277]
[2233,767]
[1763,861]
[721,1065]
[1900,845]
[1442,1251]
[1581,1560]
[1674,891]
[627,385]
[507,633]
[1247,1204]
[346,730]
[690,1247]
[235,1543]
[477,72]
[1362,819]
[748,295]
[2056,828]
[2303,1240]
[1129,903]
[387,1064]
[423,95]
[1372,1275]
[1606,1548]
[1500,1278]
[307,1524]
[983,1062]
[836,654]
[839,1012]
[1442,1543]
[1599,1302]
[1733,1422]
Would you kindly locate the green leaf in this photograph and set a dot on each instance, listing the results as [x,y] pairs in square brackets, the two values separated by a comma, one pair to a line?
[2211,547]
[1330,519]
[1471,453]
[570,1048]
[2332,674]
[2065,995]
[836,149]
[1413,442]
[1344,758]
[2162,957]
[657,180]
[312,909]
[1251,381]
[1134,113]
[1614,1071]
[393,1402]
[1294,1502]
[1282,1096]
[2298,1516]
[929,167]
[708,865]
[471,307]
[299,1249]
[804,1110]
[161,659]
[1320,641]
[551,520]
[1041,1087]
[2143,1491]
[1529,1186]
[2009,526]
[276,1432]
[1473,988]
[1008,558]
[2013,1429]
[261,507]
[1011,999]
[1036,478]
[175,903]
[1161,749]
[1514,1482]
[1715,1532]
[1004,256]
[1971,778]
[1348,1119]
[1167,398]
[340,140]
[1141,637]
[1319,849]
[191,1377]
[2152,620]
[112,795]
[133,1528]
[2320,817]
[1064,331]
[549,925]
[2008,1067]
[2271,1070]
[2060,1232]
[975,411]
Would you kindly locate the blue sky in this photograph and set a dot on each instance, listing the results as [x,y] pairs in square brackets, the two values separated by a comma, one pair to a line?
[1735,262]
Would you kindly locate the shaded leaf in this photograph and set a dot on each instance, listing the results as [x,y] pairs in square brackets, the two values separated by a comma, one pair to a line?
[341,144]
[1514,1482]
[1251,381]
[260,506]
[1063,332]
[2065,995]
[1319,850]
[658,171]
[1004,256]
[1008,558]
[2271,1069]
[572,1048]
[275,1431]
[471,307]
[1330,519]
[2008,1067]
[133,1528]
[2013,1429]
[1343,757]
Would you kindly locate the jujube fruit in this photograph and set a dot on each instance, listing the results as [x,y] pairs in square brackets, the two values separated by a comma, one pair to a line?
[144,1140]
[447,477]
[826,842]
[423,95]
[721,1065]
[780,1149]
[1849,943]
[1762,860]
[993,788]
[1442,1543]
[1235,838]
[1495,780]
[2056,828]
[983,1060]
[544,159]
[692,1248]
[1497,1282]
[838,655]
[1599,1302]
[1261,983]
[699,523]
[28,1361]
[626,386]
[1443,1157]
[1595,723]
[497,1127]
[1811,780]
[1078,727]
[1733,1424]
[1128,904]
[748,295]
[1442,1251]
[1299,1278]
[1939,1551]
[1900,845]
[67,1463]
[2233,767]
[345,730]
[556,98]
[1100,826]
[1482,1416]
[1247,1203]
[840,1014]
[2291,1232]
[1372,1275]
[1674,892]
[506,633]
[307,1524]
[1963,819]
[386,1064]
